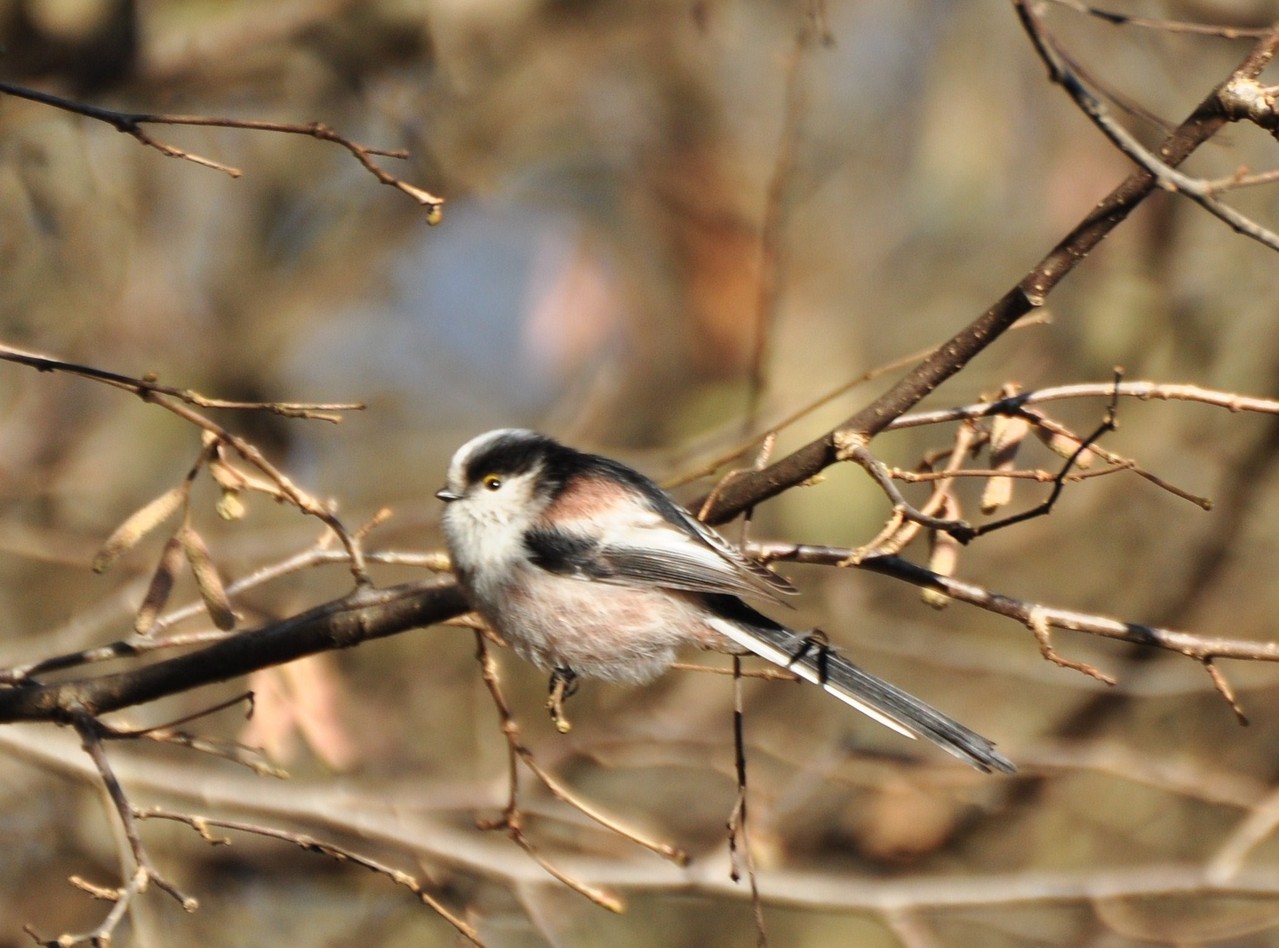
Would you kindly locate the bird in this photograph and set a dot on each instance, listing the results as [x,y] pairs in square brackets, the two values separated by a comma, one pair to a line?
[587,568]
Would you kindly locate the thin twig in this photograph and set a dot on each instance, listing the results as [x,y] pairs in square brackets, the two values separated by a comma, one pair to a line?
[771,257]
[739,841]
[899,531]
[1193,646]
[1142,391]
[143,874]
[764,674]
[180,403]
[1039,475]
[202,824]
[1259,825]
[1045,506]
[167,733]
[130,123]
[1168,26]
[1164,174]
[879,472]
[1030,293]
[317,555]
[322,411]
[1223,688]
[1038,624]
[512,821]
[672,853]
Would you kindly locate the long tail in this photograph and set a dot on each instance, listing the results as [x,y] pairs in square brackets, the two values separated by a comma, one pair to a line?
[819,663]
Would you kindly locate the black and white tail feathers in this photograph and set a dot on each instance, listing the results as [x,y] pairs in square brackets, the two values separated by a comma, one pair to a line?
[815,661]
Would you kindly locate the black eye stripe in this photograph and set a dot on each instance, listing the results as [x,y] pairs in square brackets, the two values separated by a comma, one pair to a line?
[508,455]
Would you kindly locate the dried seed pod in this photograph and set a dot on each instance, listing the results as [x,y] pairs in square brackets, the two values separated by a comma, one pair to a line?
[138,525]
[943,556]
[225,475]
[229,477]
[230,506]
[1065,445]
[212,591]
[161,585]
[1006,436]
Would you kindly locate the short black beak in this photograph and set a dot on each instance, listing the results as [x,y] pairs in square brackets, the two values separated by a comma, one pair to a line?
[447,495]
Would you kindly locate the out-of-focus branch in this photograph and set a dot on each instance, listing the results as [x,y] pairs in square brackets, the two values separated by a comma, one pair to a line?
[771,259]
[1163,25]
[130,123]
[148,388]
[203,825]
[437,831]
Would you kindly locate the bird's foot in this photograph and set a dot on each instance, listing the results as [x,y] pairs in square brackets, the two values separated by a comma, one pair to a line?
[563,686]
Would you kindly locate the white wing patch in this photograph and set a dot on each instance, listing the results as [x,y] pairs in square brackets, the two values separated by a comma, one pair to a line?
[780,657]
[688,556]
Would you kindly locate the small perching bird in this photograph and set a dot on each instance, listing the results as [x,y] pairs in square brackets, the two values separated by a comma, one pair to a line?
[586,567]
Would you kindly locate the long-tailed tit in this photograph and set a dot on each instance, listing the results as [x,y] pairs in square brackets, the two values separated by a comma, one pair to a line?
[586,567]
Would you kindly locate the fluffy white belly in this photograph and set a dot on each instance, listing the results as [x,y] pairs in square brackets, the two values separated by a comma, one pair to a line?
[598,630]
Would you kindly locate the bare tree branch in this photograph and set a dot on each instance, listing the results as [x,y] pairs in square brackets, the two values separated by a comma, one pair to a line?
[367,613]
[180,402]
[130,123]
[202,825]
[1238,98]
[951,356]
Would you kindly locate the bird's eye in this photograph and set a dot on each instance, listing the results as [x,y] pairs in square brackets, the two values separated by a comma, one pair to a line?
[491,482]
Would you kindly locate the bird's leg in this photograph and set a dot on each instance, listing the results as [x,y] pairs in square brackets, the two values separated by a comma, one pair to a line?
[814,641]
[563,686]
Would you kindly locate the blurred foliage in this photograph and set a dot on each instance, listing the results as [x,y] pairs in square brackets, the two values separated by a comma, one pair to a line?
[597,275]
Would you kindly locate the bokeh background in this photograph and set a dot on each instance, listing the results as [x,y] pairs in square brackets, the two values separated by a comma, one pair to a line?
[607,248]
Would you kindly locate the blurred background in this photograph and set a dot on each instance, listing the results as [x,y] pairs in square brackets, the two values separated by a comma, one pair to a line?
[633,190]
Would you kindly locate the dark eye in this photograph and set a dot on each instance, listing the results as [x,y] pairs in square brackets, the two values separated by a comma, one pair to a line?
[491,482]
